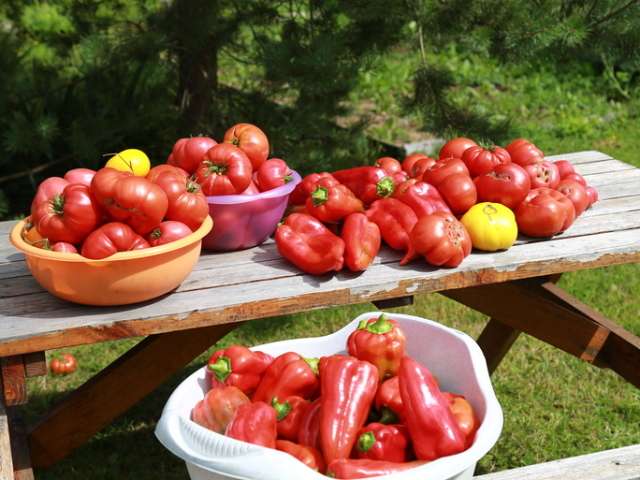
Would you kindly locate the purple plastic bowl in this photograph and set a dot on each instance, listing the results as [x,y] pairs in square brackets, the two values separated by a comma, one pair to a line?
[244,221]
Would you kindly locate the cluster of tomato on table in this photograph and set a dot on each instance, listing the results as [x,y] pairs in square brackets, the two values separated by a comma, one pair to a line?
[340,218]
[129,206]
[373,412]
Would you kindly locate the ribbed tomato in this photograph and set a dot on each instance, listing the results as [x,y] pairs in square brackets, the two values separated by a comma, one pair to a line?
[480,160]
[225,170]
[455,148]
[545,212]
[575,192]
[251,140]
[507,184]
[543,174]
[187,203]
[167,232]
[112,238]
[187,153]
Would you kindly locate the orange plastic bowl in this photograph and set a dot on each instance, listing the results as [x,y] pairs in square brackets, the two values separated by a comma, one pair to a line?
[122,278]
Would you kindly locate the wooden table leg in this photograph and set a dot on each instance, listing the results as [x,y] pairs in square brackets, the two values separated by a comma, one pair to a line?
[15,463]
[115,389]
[495,341]
[6,459]
[13,374]
[540,308]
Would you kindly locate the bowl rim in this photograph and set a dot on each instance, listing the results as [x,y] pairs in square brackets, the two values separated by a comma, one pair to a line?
[281,191]
[31,251]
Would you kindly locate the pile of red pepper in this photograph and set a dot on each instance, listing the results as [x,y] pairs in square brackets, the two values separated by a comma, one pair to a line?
[339,219]
[373,412]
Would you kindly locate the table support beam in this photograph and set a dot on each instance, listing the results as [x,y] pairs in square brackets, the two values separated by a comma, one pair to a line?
[541,309]
[115,389]
[495,341]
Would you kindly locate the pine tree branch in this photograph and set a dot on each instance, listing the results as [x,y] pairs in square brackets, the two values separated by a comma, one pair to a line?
[31,171]
[614,13]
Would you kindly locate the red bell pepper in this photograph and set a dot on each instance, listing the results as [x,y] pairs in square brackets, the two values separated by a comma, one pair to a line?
[348,387]
[422,197]
[433,428]
[332,204]
[388,400]
[361,241]
[367,183]
[377,441]
[217,408]
[465,416]
[254,423]
[309,245]
[310,456]
[289,413]
[365,468]
[238,366]
[309,433]
[379,341]
[389,165]
[308,184]
[395,220]
[288,375]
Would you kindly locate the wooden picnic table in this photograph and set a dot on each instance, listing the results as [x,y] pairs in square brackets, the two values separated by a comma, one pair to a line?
[516,289]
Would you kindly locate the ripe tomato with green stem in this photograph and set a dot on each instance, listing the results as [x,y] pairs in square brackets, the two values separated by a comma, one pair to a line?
[225,170]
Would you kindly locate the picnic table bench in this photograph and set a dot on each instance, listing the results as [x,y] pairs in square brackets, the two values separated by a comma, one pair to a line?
[516,289]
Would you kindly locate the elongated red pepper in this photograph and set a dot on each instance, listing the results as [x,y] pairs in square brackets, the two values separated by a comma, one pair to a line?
[309,245]
[379,341]
[289,412]
[310,456]
[433,428]
[288,375]
[377,441]
[388,397]
[332,204]
[465,416]
[365,468]
[361,241]
[309,433]
[395,220]
[217,408]
[238,366]
[422,197]
[367,183]
[348,387]
[308,184]
[254,423]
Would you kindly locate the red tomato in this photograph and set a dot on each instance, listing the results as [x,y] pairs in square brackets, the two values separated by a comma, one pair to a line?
[48,189]
[544,213]
[444,168]
[592,193]
[543,174]
[442,239]
[517,143]
[82,176]
[252,189]
[576,177]
[273,173]
[251,140]
[158,170]
[187,153]
[187,203]
[526,154]
[507,184]
[63,364]
[420,166]
[564,168]
[64,247]
[389,165]
[575,192]
[130,199]
[409,160]
[67,217]
[168,232]
[226,170]
[459,192]
[112,238]
[399,177]
[481,160]
[456,147]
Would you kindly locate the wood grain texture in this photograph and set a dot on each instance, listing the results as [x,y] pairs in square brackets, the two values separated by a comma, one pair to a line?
[114,390]
[35,364]
[618,464]
[13,380]
[22,469]
[6,462]
[495,341]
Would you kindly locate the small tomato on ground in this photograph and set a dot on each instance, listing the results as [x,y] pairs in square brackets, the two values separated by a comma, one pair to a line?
[63,364]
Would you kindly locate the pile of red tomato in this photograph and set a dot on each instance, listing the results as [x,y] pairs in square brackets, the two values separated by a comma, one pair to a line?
[129,206]
[375,411]
[340,218]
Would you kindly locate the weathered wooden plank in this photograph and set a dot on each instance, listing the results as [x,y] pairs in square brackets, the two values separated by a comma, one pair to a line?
[617,464]
[586,156]
[52,323]
[603,167]
[35,364]
[114,390]
[614,190]
[601,179]
[14,388]
[613,205]
[6,462]
[13,269]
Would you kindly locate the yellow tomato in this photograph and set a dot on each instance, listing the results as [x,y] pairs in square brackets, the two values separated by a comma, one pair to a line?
[131,160]
[491,226]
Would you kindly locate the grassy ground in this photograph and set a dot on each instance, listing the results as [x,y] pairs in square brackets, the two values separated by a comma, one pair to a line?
[554,405]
